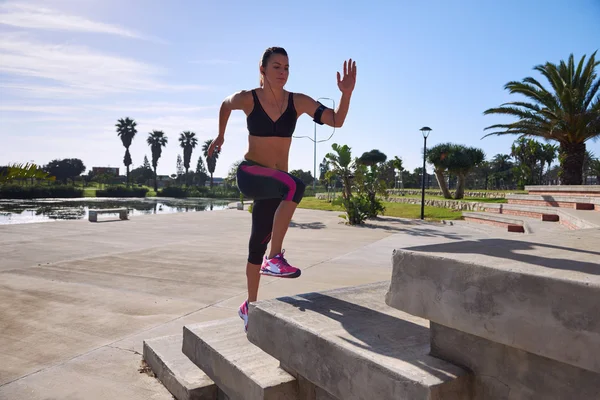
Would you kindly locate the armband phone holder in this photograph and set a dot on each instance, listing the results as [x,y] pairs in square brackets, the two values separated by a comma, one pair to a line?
[319,113]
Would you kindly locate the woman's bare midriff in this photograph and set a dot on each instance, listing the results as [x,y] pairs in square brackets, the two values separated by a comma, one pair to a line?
[272,152]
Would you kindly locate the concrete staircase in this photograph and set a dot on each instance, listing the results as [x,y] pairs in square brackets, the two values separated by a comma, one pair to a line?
[489,319]
[571,207]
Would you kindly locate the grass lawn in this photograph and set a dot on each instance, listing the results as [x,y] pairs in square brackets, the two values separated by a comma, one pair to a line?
[412,211]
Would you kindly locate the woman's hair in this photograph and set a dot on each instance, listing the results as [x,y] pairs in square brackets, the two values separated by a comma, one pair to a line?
[265,59]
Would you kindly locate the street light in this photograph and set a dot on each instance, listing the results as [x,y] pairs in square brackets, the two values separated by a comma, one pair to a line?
[315,142]
[425,131]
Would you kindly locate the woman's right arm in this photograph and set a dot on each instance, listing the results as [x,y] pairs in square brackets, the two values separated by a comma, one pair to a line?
[237,101]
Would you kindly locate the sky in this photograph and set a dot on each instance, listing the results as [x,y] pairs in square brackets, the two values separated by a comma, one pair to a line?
[69,69]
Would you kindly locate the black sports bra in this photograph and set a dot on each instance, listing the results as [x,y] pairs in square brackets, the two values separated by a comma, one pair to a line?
[260,124]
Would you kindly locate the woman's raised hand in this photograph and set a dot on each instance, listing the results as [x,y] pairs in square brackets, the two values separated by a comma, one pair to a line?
[347,82]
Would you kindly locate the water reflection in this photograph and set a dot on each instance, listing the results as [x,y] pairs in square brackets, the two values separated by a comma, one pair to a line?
[39,210]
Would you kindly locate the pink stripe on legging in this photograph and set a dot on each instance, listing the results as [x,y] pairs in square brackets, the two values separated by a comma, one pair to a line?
[273,173]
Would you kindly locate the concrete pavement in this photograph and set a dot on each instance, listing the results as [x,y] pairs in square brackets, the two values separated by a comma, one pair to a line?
[77,299]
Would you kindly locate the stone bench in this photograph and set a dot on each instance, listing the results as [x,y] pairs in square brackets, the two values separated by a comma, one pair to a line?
[93,214]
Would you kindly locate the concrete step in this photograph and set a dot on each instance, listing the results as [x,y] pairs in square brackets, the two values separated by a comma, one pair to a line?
[239,368]
[510,292]
[175,371]
[510,224]
[569,190]
[573,219]
[575,202]
[351,344]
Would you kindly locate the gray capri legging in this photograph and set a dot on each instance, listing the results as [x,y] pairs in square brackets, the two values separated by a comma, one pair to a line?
[267,187]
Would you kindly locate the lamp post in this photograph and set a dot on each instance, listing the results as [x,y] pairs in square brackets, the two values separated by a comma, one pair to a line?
[425,131]
[315,143]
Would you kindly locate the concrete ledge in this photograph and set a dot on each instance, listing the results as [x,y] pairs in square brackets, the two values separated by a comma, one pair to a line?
[239,368]
[571,190]
[564,216]
[551,199]
[502,372]
[509,302]
[511,224]
[349,343]
[175,371]
[523,208]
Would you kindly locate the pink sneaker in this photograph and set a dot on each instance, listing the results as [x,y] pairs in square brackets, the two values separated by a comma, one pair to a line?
[278,266]
[243,313]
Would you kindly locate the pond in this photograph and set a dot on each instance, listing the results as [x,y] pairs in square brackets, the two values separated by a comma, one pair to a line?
[44,210]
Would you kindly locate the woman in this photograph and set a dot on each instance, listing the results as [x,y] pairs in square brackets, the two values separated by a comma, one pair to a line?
[271,119]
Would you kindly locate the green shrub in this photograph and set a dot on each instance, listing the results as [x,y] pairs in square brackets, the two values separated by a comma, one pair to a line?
[13,191]
[172,191]
[357,208]
[122,191]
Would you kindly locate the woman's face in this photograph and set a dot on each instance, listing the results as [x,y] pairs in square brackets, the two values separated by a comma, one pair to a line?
[277,70]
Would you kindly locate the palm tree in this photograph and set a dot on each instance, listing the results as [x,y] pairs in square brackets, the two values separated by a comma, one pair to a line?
[187,141]
[595,169]
[211,162]
[341,163]
[156,140]
[23,171]
[502,170]
[568,114]
[126,130]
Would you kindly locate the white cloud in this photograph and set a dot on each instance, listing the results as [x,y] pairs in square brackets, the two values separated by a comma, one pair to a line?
[76,71]
[34,17]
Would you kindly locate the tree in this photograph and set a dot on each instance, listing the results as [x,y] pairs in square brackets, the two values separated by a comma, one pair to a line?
[501,171]
[587,163]
[595,170]
[456,159]
[305,176]
[368,180]
[211,162]
[372,158]
[146,163]
[68,168]
[568,114]
[201,172]
[323,169]
[126,129]
[179,166]
[341,164]
[463,160]
[156,140]
[340,160]
[438,156]
[188,142]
